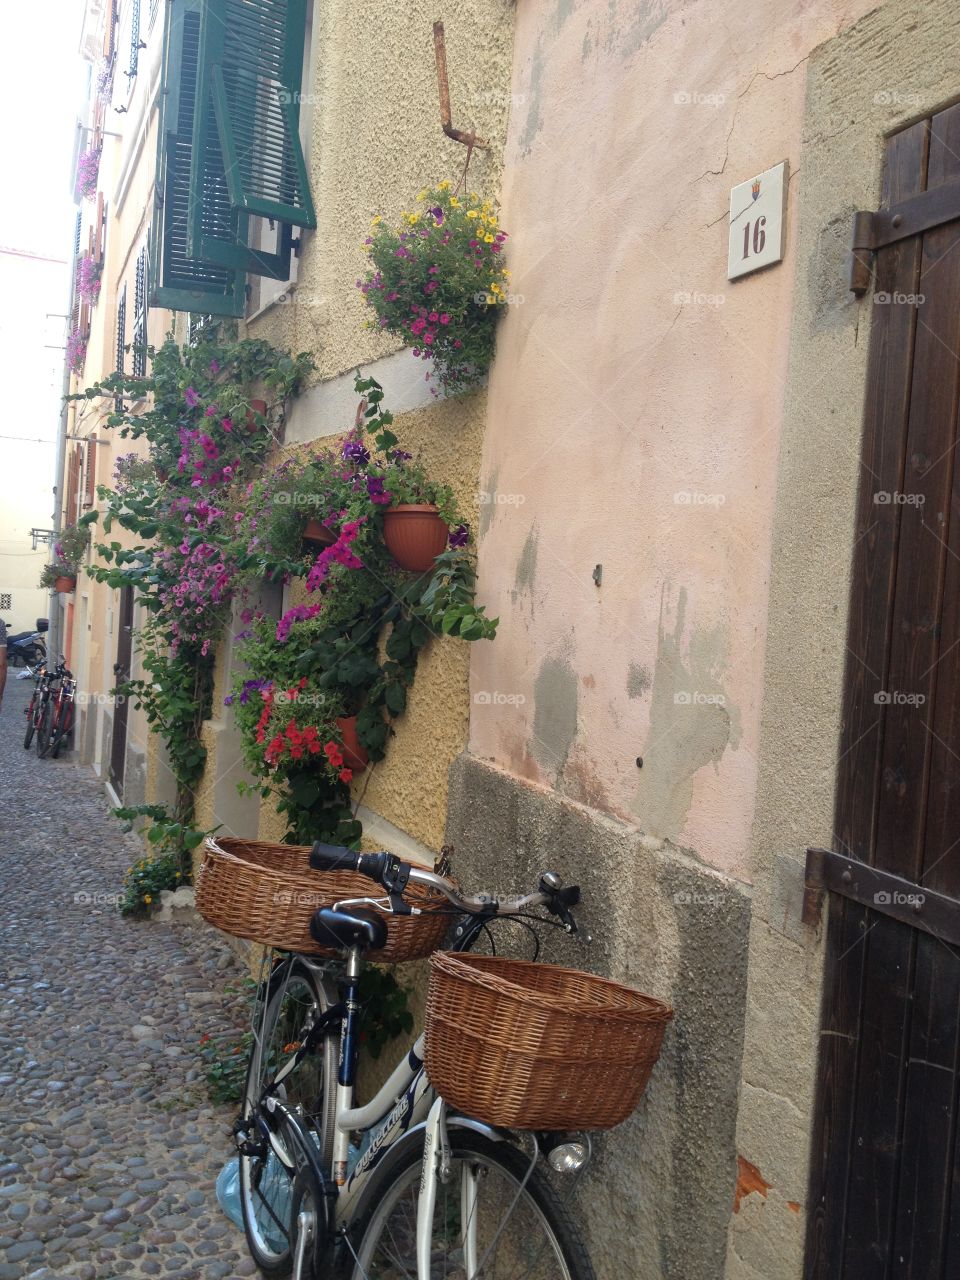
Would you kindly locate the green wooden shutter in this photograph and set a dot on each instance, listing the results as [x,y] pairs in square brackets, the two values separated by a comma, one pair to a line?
[246,134]
[179,279]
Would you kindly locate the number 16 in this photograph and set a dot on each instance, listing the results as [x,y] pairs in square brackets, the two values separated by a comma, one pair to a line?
[759,236]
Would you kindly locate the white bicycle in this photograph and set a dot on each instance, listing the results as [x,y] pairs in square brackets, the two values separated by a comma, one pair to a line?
[427,1192]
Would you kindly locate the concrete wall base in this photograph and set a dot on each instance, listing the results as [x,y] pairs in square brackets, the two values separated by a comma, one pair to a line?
[658,1198]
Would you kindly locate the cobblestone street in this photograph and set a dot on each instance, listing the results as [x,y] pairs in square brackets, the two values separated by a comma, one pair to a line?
[109,1144]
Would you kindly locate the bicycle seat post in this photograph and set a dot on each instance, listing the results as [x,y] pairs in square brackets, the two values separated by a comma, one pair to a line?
[349,1044]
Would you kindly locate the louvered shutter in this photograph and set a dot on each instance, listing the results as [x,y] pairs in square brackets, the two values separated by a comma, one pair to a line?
[140,317]
[179,280]
[134,38]
[90,479]
[110,31]
[247,151]
[74,463]
[99,230]
[121,341]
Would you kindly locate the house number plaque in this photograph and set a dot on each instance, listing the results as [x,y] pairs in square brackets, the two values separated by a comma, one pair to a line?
[757,221]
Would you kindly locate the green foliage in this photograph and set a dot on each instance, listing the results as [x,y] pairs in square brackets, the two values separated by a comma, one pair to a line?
[384,1009]
[145,880]
[225,1059]
[68,553]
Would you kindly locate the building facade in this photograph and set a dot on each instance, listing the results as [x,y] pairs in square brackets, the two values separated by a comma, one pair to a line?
[674,475]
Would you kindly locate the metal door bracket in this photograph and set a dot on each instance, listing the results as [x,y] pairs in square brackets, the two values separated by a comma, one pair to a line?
[873,231]
[882,891]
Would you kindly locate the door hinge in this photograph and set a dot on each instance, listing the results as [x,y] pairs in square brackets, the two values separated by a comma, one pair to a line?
[873,231]
[882,891]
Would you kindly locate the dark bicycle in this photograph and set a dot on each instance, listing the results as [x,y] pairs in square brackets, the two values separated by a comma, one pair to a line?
[61,723]
[39,701]
[49,689]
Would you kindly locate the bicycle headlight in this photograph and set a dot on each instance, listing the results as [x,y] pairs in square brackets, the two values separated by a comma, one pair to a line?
[568,1157]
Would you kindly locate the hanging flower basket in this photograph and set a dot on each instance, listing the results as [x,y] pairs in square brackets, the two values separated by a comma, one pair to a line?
[65,584]
[354,753]
[415,535]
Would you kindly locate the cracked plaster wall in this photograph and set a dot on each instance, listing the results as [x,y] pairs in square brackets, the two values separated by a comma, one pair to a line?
[635,409]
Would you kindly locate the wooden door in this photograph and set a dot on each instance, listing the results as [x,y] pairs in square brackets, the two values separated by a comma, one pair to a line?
[121,670]
[885,1179]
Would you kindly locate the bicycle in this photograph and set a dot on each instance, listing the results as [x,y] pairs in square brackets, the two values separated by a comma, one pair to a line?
[61,722]
[39,700]
[51,684]
[428,1186]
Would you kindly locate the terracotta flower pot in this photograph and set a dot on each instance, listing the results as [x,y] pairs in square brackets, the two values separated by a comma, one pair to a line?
[415,535]
[318,535]
[256,406]
[65,583]
[354,754]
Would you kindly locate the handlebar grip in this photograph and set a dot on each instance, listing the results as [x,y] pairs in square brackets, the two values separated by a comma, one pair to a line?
[332,857]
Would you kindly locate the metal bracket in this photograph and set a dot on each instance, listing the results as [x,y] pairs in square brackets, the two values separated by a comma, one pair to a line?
[882,891]
[910,217]
[458,135]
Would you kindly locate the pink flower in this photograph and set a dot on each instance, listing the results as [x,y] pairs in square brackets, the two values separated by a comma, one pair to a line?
[444,318]
[191,398]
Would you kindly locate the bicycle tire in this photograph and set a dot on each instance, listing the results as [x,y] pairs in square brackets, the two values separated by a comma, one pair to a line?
[401,1175]
[60,736]
[43,730]
[31,727]
[274,1259]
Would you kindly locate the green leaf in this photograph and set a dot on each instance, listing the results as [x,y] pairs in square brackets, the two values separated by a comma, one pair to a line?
[395,696]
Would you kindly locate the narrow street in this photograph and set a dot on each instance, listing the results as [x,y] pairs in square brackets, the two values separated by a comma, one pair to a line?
[109,1144]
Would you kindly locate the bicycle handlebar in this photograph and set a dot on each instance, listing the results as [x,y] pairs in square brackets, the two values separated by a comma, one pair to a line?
[394,875]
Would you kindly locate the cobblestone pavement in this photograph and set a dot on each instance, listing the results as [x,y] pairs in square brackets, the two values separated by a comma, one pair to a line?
[109,1144]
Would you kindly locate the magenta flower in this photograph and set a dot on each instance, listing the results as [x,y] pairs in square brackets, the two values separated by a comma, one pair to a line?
[191,398]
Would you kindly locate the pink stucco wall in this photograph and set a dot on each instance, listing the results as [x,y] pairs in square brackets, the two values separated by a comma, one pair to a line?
[630,373]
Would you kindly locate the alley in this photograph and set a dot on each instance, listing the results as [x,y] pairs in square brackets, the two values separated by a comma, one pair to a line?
[109,1144]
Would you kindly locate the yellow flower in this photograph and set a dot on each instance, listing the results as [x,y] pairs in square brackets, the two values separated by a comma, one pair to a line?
[496,288]
[488,239]
[490,299]
[454,202]
[413,219]
[422,195]
[443,186]
[474,197]
[147,899]
[471,213]
[376,221]
[486,206]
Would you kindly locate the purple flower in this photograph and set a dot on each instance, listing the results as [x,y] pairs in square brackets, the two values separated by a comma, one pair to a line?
[191,398]
[401,455]
[437,215]
[460,536]
[214,367]
[356,452]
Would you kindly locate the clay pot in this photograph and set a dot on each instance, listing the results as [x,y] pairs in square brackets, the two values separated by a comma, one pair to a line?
[354,754]
[258,406]
[65,583]
[415,535]
[318,535]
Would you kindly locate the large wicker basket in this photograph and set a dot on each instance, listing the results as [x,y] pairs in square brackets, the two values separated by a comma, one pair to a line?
[268,893]
[536,1046]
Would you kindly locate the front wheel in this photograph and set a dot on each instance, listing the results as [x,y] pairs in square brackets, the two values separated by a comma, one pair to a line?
[291,1002]
[487,1222]
[31,726]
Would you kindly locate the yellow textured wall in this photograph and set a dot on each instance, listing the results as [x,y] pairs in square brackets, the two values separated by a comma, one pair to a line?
[376,141]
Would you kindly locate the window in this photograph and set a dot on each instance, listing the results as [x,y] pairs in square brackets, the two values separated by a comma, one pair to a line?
[121,341]
[90,474]
[140,317]
[6,600]
[229,150]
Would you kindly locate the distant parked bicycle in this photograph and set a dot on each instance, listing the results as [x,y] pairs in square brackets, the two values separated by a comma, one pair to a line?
[39,700]
[61,717]
[442,1183]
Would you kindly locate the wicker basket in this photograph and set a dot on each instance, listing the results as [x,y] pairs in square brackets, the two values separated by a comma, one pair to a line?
[268,893]
[536,1046]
